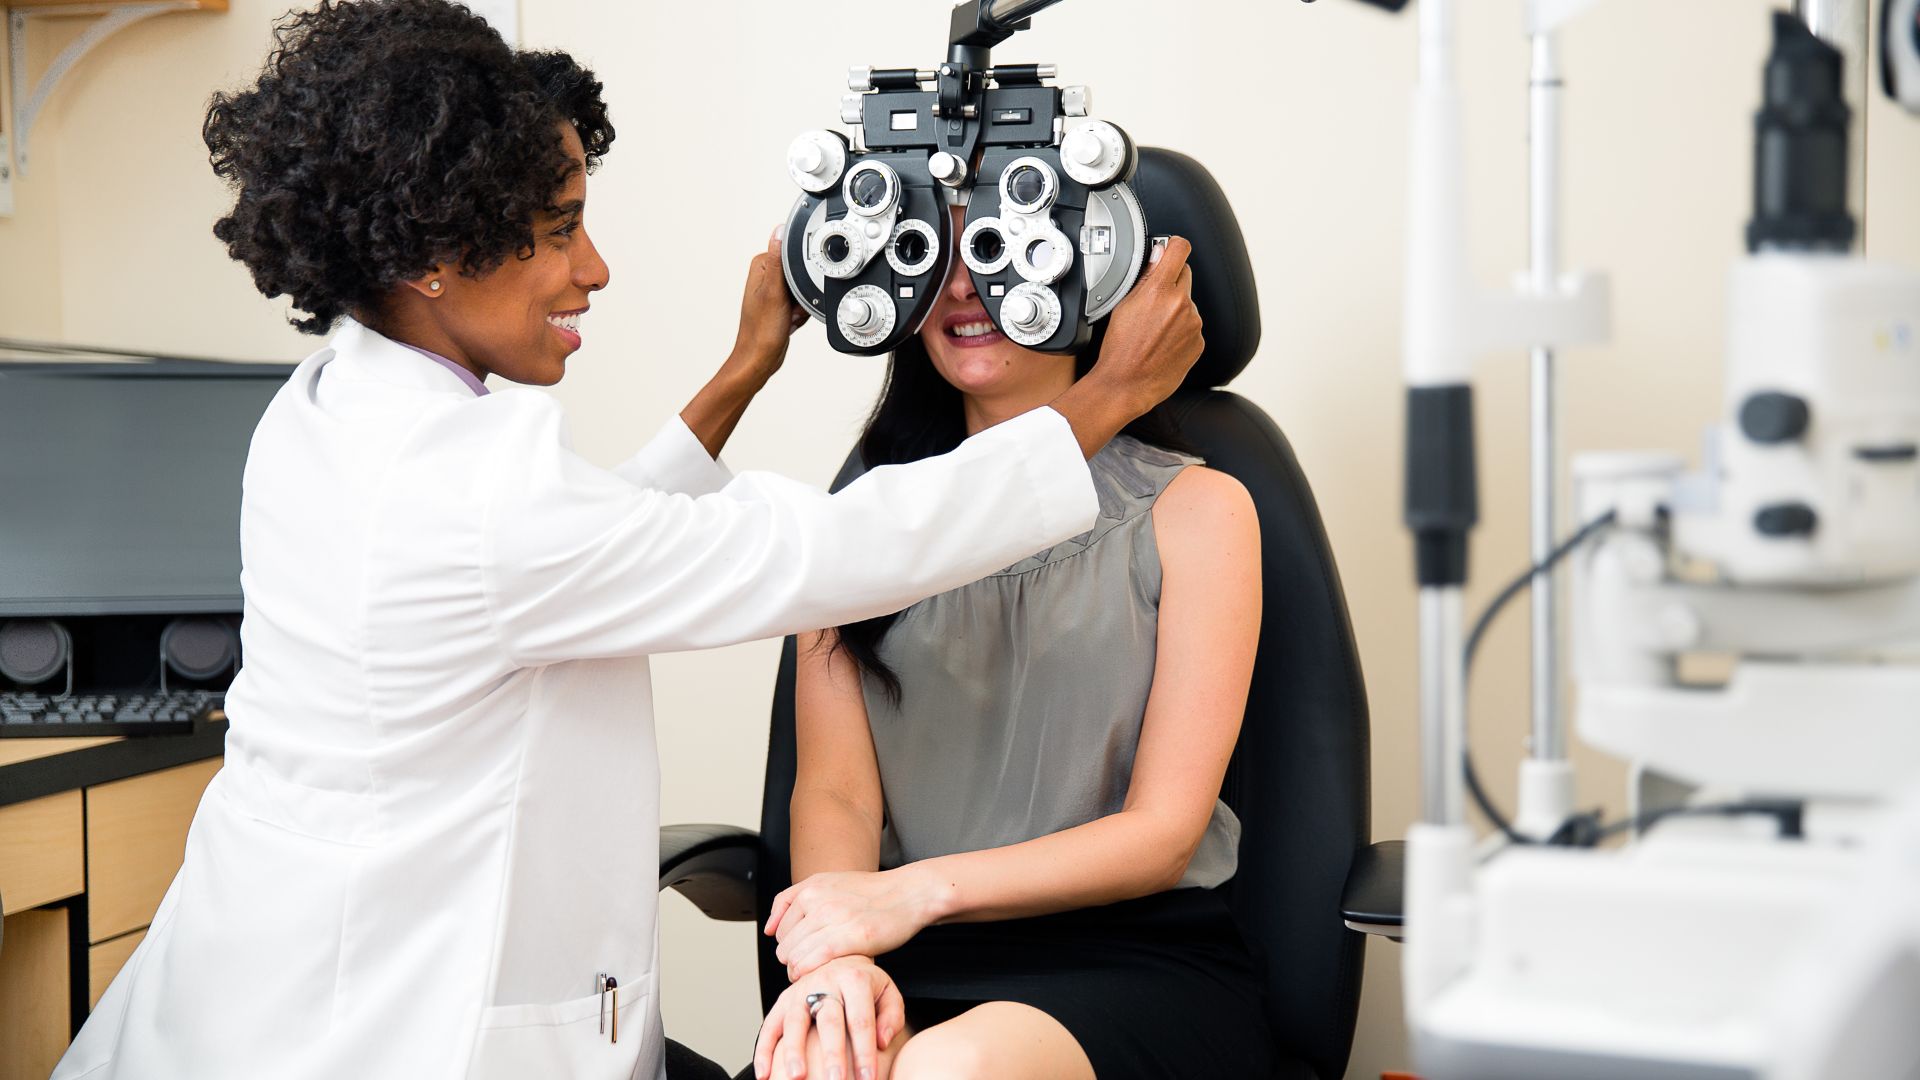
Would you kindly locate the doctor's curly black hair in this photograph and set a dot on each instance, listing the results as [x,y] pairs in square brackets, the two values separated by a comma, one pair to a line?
[384,136]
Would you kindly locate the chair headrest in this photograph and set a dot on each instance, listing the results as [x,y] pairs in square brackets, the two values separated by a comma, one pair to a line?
[1181,198]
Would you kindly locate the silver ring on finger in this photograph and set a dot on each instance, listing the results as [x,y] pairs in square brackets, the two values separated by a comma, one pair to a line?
[817,999]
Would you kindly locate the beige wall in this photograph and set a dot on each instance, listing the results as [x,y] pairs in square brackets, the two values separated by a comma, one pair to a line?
[1299,110]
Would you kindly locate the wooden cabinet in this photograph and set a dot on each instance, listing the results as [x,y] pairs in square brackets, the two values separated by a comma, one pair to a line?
[42,850]
[33,994]
[105,961]
[136,837]
[82,871]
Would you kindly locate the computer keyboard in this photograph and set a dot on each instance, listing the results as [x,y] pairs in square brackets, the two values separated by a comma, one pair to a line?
[138,713]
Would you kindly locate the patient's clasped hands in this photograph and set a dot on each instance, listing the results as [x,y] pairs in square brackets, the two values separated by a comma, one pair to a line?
[829,927]
[850,914]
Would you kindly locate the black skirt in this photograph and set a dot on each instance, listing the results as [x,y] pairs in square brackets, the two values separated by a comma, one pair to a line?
[1161,987]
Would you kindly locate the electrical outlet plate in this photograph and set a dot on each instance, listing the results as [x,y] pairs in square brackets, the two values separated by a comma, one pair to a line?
[6,175]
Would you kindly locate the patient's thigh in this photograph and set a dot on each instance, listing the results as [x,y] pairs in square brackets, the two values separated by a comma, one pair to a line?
[817,1059]
[999,1039]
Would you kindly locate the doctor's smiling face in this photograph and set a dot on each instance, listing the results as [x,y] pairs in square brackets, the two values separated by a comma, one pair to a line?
[521,320]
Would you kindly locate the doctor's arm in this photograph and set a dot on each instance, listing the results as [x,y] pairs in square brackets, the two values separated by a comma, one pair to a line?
[577,562]
[768,318]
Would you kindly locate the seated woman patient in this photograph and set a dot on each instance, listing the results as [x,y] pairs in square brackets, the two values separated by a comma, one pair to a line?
[1008,794]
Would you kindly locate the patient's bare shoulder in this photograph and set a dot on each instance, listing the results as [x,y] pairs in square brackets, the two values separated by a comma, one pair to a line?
[1206,515]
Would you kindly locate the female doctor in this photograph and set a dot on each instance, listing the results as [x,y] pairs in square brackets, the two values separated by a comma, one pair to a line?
[433,844]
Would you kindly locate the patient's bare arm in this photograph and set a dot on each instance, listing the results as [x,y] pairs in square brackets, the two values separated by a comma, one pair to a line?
[1209,625]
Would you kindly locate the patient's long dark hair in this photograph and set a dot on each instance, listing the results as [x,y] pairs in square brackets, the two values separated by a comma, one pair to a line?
[920,415]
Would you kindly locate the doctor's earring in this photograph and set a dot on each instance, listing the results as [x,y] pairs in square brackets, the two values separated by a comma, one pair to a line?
[433,286]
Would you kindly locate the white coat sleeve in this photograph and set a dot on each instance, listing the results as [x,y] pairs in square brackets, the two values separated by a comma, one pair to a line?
[578,563]
[675,461]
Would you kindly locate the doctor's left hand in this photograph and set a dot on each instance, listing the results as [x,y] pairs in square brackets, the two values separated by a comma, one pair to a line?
[768,317]
[862,1011]
[848,914]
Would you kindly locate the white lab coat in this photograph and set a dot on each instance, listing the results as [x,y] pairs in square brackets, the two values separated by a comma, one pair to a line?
[438,818]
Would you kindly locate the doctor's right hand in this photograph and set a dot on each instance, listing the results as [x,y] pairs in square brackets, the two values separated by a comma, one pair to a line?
[862,1011]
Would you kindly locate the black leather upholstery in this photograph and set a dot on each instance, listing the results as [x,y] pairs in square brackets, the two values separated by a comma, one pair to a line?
[1299,777]
[1181,198]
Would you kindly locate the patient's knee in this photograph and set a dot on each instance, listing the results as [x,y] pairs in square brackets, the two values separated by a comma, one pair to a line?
[935,1054]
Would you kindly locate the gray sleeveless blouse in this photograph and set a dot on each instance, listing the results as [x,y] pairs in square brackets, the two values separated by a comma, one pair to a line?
[1022,694]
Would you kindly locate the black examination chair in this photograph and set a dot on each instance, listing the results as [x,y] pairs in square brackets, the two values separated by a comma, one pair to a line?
[1299,776]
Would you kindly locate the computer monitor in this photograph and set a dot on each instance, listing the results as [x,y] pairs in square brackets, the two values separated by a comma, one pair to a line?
[120,484]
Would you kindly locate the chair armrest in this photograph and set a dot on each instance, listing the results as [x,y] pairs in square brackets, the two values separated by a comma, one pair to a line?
[713,866]
[1374,900]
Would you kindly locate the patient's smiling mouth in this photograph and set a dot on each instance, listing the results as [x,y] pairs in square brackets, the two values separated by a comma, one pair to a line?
[971,329]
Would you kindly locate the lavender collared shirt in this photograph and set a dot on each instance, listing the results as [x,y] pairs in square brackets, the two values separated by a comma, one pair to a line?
[473,381]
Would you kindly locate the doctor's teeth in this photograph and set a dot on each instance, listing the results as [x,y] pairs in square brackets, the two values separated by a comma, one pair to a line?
[566,322]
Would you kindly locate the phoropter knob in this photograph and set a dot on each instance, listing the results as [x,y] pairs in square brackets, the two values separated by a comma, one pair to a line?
[816,159]
[1773,417]
[1094,153]
[948,169]
[1030,314]
[857,314]
[866,315]
[1785,519]
[1021,311]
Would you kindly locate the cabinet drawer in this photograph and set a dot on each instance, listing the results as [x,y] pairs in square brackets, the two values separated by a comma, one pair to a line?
[34,1022]
[105,961]
[136,837]
[41,854]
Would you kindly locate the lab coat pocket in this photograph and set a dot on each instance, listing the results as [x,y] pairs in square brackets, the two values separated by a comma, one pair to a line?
[564,1039]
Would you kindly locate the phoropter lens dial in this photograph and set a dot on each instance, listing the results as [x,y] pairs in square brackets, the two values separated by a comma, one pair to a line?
[871,188]
[1095,153]
[1030,314]
[1043,255]
[914,248]
[1029,185]
[983,246]
[866,315]
[816,160]
[838,249]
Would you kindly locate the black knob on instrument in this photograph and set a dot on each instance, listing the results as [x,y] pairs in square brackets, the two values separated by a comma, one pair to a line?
[33,650]
[1786,519]
[1773,417]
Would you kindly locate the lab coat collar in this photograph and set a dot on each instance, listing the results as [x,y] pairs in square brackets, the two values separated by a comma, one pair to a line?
[367,354]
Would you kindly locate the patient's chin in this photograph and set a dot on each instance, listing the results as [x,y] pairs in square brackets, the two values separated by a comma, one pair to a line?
[974,371]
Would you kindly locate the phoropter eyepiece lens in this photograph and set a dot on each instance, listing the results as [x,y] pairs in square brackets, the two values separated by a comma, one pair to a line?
[869,189]
[1040,252]
[988,246]
[1026,185]
[837,250]
[911,247]
[983,246]
[1029,185]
